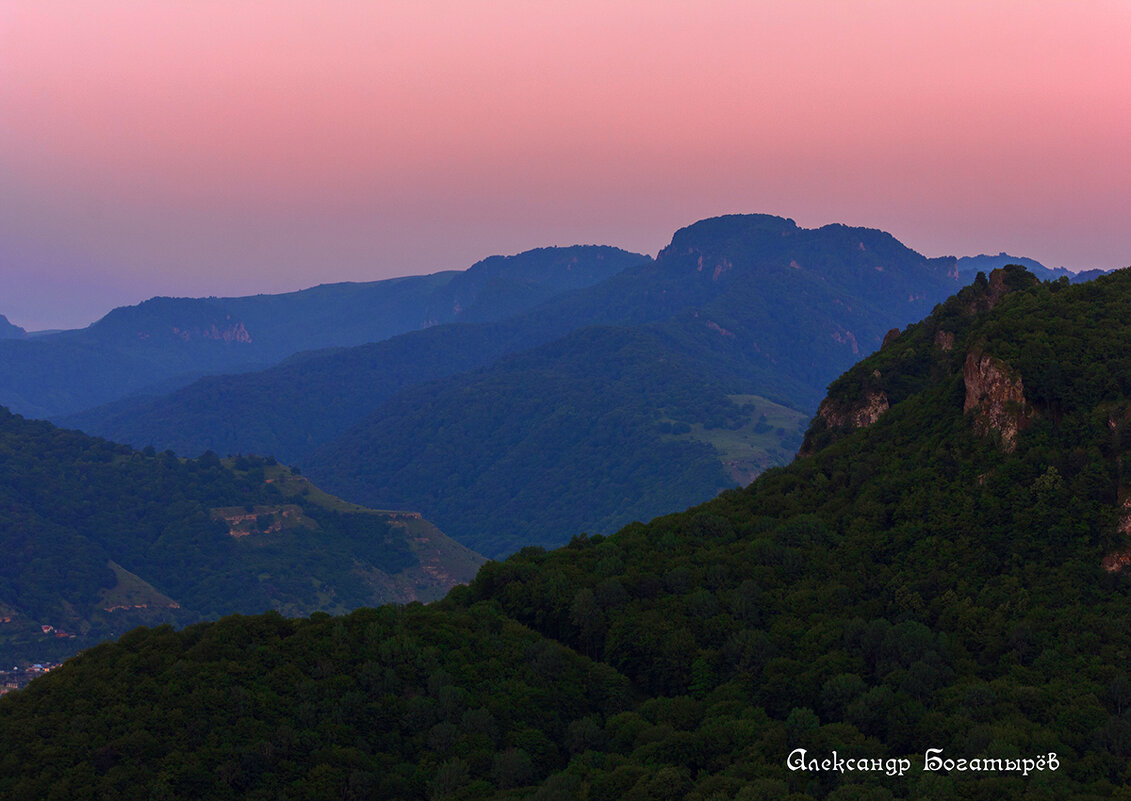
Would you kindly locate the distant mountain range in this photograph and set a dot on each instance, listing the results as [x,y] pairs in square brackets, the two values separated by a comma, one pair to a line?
[969,266]
[740,317]
[623,387]
[97,538]
[165,343]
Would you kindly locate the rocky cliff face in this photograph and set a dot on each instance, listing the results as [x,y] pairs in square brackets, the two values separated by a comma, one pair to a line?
[230,333]
[841,417]
[995,394]
[863,413]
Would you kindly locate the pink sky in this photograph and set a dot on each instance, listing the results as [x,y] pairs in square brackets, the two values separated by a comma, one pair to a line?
[200,147]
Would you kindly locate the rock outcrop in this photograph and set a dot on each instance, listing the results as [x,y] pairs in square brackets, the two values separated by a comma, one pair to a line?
[998,287]
[1115,562]
[858,415]
[841,417]
[231,333]
[996,396]
[842,336]
[1120,559]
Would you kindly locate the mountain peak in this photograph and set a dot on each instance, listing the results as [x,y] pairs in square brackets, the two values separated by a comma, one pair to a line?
[9,330]
[730,227]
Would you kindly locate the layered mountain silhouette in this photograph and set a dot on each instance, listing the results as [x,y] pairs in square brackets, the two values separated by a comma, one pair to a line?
[969,266]
[942,575]
[165,343]
[630,398]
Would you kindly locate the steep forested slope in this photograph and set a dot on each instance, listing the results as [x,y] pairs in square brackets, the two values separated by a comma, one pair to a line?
[942,571]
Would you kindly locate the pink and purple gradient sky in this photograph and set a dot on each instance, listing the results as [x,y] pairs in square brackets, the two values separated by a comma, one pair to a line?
[221,147]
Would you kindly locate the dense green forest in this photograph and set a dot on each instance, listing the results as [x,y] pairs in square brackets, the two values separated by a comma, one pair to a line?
[589,432]
[97,537]
[931,580]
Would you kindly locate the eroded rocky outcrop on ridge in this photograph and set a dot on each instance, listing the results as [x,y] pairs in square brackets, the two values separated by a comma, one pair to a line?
[857,415]
[840,417]
[996,396]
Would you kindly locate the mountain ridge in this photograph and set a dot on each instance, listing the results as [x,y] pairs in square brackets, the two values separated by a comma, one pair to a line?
[133,347]
[760,306]
[638,296]
[912,584]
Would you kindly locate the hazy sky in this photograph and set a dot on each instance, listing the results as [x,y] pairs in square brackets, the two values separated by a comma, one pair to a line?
[219,147]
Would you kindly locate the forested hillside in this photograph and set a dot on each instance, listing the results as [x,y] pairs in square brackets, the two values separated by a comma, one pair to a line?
[590,432]
[97,538]
[941,571]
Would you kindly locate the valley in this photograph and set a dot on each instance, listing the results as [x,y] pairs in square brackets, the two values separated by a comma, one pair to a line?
[925,576]
[708,401]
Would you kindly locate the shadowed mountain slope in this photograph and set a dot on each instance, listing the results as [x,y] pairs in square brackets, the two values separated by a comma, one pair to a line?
[774,297]
[169,342]
[607,425]
[944,573]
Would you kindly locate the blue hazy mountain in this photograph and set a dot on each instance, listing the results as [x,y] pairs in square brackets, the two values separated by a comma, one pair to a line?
[651,385]
[169,342]
[10,331]
[969,266]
